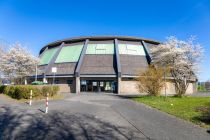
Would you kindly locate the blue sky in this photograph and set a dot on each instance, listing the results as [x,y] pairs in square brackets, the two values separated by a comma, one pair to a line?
[38,22]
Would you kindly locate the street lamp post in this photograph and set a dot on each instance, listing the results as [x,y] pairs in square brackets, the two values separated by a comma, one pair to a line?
[165,80]
[53,78]
[54,70]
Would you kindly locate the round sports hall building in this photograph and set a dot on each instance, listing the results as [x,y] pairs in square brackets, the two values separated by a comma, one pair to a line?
[96,63]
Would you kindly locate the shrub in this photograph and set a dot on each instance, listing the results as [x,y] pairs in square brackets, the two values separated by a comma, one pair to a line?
[201,88]
[23,91]
[52,90]
[2,88]
[45,90]
[151,81]
[6,90]
[55,90]
[36,91]
[11,91]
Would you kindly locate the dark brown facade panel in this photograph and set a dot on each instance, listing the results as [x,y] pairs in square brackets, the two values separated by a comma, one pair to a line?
[150,46]
[99,60]
[101,42]
[98,70]
[63,68]
[72,44]
[129,42]
[99,78]
[132,64]
[99,64]
[41,69]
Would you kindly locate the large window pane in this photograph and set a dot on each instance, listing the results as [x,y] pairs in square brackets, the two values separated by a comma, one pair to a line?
[100,49]
[47,56]
[131,49]
[69,54]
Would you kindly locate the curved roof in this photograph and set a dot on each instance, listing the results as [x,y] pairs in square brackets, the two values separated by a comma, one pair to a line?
[97,38]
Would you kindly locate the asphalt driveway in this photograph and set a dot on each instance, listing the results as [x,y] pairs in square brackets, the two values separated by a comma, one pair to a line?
[92,116]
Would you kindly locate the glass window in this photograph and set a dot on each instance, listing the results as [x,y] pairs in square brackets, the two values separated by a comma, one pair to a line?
[108,86]
[94,83]
[100,49]
[101,84]
[47,56]
[56,81]
[131,49]
[69,54]
[83,82]
[70,82]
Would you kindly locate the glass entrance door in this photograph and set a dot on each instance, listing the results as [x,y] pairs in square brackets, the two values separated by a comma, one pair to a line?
[98,86]
[95,86]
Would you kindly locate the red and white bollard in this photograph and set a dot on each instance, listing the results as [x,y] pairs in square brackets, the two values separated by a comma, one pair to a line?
[46,110]
[30,102]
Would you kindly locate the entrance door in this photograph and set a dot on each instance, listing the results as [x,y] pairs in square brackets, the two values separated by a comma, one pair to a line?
[98,86]
[101,86]
[95,86]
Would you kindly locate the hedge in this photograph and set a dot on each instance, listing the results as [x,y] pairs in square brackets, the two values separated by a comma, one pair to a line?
[23,91]
[2,87]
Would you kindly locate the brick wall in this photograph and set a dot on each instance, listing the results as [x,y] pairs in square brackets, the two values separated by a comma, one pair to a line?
[64,87]
[130,87]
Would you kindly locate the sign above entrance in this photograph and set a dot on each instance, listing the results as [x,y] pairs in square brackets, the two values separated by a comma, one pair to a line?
[54,69]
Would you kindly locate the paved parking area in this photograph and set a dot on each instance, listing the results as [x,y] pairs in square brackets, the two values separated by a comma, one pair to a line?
[201,94]
[93,116]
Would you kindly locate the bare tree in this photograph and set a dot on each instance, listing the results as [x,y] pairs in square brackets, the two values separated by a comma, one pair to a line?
[151,81]
[183,59]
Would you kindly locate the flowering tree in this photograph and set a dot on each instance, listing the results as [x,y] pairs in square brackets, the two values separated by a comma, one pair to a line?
[2,53]
[183,59]
[0,63]
[18,62]
[7,68]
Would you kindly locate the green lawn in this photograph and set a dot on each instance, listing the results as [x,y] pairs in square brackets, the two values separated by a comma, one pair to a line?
[194,109]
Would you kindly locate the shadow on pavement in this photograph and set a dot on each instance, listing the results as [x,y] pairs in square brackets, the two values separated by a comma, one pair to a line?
[20,124]
[41,110]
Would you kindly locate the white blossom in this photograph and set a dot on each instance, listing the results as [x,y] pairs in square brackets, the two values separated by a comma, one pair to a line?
[182,57]
[18,62]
